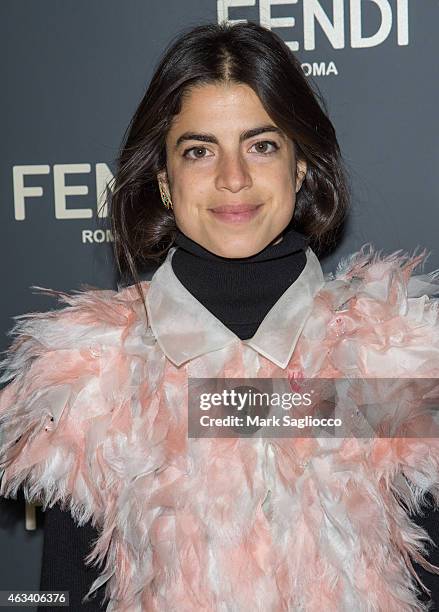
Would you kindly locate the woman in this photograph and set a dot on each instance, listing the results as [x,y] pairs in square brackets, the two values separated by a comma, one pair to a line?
[229,173]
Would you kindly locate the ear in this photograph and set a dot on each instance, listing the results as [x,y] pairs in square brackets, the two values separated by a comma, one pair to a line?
[301,169]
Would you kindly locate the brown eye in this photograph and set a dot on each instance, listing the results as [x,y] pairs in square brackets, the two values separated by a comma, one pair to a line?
[195,152]
[265,146]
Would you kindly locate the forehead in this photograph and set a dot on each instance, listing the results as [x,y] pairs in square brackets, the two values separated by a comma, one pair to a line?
[220,107]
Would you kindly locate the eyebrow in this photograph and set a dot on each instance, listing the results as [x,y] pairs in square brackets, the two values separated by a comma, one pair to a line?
[243,136]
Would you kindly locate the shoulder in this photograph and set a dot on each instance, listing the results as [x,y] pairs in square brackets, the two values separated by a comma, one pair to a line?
[86,321]
[391,282]
[380,314]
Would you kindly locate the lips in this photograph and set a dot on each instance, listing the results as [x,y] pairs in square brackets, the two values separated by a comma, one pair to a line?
[235,208]
[236,213]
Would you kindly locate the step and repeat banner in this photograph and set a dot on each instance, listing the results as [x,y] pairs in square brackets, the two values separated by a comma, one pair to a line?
[73,74]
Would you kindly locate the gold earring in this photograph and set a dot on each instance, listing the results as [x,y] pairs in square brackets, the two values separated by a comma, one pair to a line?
[165,198]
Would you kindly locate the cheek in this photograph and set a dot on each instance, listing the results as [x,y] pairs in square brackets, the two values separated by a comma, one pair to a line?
[190,192]
[279,181]
[190,182]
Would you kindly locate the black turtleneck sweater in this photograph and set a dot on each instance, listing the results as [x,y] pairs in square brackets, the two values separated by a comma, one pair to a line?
[239,292]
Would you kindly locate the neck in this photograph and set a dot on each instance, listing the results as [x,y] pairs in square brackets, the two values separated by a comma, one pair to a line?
[240,292]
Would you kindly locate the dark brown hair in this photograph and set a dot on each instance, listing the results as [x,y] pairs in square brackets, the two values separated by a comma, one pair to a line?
[142,227]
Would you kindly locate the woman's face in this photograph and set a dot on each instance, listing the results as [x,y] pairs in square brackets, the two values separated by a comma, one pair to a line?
[231,172]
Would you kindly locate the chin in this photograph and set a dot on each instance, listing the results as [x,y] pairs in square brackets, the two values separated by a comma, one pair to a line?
[236,251]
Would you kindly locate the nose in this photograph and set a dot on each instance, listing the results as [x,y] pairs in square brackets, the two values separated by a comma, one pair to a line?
[233,174]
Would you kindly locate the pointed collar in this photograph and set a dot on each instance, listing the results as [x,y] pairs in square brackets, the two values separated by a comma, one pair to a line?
[185,329]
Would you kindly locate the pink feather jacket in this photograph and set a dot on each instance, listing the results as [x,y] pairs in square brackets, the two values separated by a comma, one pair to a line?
[94,417]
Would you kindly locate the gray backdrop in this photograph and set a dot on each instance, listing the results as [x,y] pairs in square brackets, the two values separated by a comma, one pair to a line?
[73,74]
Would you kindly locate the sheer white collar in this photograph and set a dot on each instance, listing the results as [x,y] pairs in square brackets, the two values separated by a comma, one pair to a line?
[185,329]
